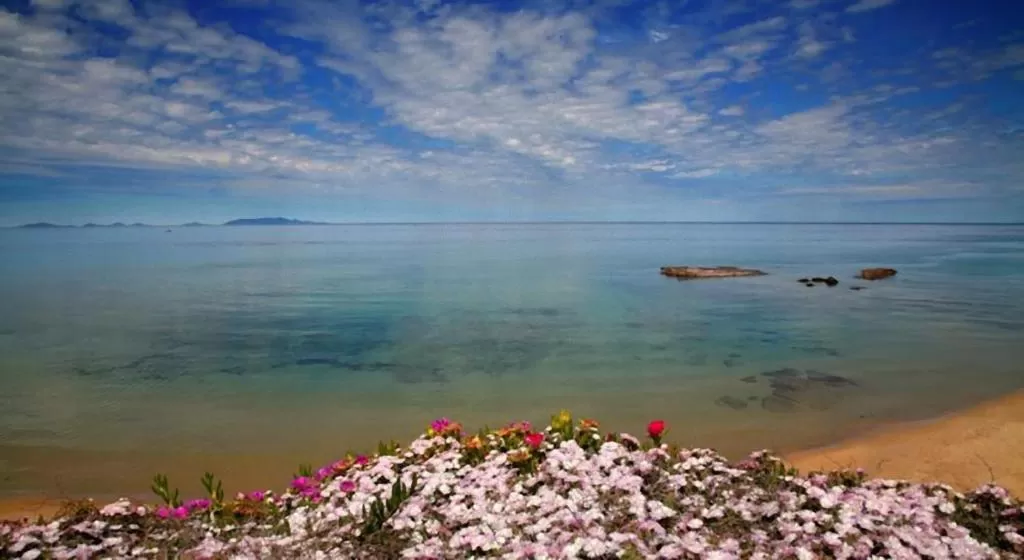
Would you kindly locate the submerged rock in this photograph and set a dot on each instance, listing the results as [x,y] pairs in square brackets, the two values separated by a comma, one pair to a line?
[731,402]
[793,389]
[784,372]
[856,288]
[749,379]
[778,403]
[876,273]
[829,379]
[690,272]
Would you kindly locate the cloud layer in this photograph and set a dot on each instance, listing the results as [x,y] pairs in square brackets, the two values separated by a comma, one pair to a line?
[602,102]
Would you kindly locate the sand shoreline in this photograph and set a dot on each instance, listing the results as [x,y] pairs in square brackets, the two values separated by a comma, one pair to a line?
[966,448]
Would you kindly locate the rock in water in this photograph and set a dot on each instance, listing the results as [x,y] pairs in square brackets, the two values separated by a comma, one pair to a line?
[876,273]
[830,281]
[690,272]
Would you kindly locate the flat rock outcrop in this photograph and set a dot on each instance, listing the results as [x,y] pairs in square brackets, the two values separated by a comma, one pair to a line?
[876,273]
[691,272]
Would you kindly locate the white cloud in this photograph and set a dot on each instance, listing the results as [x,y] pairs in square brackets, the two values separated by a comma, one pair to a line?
[696,174]
[489,99]
[809,46]
[867,5]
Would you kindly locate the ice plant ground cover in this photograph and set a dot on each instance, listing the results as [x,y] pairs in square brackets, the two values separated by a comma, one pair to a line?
[566,491]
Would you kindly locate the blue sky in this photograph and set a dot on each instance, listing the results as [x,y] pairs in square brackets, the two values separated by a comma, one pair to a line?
[808,110]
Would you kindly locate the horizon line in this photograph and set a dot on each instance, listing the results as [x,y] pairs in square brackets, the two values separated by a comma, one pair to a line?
[123,225]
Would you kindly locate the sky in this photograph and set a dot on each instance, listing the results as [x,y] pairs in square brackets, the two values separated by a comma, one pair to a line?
[592,110]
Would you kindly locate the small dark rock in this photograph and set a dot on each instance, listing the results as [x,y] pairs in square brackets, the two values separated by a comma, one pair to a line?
[803,280]
[729,363]
[749,379]
[734,355]
[856,288]
[809,285]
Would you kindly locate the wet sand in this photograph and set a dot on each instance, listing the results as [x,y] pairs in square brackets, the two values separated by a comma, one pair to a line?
[965,449]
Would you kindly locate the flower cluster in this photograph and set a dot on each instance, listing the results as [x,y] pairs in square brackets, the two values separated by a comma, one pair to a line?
[565,491]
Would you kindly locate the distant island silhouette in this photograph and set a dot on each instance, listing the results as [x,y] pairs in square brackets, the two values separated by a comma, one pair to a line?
[273,221]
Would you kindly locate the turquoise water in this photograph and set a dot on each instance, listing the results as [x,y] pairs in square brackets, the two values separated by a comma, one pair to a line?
[127,347]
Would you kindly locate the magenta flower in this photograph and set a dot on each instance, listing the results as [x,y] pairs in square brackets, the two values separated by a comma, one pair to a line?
[300,483]
[257,495]
[163,512]
[440,425]
[197,505]
[534,440]
[362,460]
[347,486]
[324,472]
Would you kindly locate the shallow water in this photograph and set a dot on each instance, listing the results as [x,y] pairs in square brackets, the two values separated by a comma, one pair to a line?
[254,349]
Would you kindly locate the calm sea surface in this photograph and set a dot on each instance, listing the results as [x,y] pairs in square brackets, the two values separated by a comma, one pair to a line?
[252,349]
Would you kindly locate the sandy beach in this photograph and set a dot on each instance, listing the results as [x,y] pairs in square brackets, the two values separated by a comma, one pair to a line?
[965,449]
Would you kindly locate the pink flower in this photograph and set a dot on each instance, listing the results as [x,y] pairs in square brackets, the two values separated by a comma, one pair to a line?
[655,429]
[167,512]
[440,424]
[324,472]
[257,495]
[300,483]
[197,505]
[534,439]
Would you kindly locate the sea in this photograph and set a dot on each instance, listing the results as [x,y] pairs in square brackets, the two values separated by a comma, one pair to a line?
[250,350]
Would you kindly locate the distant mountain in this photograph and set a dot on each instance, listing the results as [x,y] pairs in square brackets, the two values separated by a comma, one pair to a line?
[43,225]
[113,225]
[271,222]
[193,224]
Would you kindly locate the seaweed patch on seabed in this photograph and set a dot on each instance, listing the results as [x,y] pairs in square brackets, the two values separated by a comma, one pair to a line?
[817,350]
[413,375]
[697,360]
[793,389]
[132,365]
